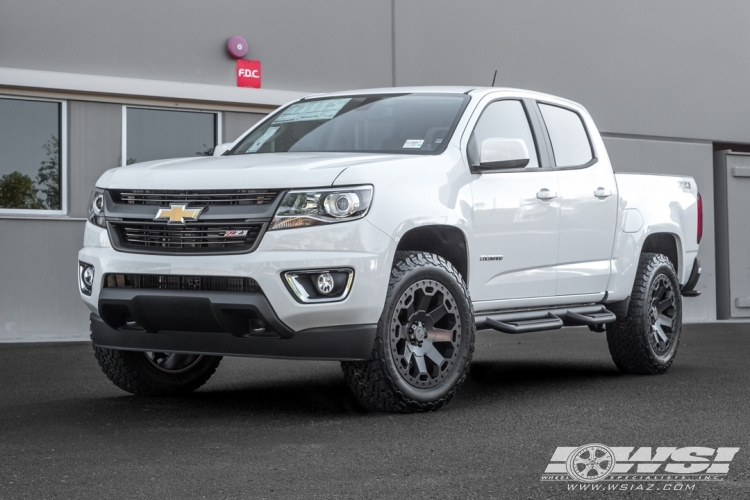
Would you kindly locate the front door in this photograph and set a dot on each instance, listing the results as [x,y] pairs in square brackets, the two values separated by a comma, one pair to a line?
[516,216]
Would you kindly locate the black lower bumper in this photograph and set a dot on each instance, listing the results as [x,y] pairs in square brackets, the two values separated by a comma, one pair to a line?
[216,323]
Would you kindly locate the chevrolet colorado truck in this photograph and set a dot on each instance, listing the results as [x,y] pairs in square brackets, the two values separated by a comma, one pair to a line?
[381,228]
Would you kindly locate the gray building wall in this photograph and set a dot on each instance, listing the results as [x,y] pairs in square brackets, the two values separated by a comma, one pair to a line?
[673,68]
[663,80]
[310,45]
[95,134]
[39,298]
[668,68]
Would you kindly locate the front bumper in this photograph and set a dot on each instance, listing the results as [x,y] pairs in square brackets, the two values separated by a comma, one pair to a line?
[357,245]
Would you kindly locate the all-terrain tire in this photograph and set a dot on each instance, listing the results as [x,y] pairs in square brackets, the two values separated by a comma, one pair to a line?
[634,341]
[380,384]
[133,372]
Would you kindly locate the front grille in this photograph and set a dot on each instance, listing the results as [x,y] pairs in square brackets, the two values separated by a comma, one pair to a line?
[195,198]
[171,282]
[202,236]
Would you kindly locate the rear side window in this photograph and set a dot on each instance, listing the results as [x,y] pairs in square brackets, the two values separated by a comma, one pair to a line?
[570,143]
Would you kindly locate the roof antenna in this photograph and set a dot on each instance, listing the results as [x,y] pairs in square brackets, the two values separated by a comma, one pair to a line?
[493,79]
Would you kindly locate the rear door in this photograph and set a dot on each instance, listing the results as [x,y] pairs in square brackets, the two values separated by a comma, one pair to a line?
[516,214]
[588,203]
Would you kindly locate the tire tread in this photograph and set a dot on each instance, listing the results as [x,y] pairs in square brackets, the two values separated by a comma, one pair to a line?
[627,338]
[128,373]
[370,380]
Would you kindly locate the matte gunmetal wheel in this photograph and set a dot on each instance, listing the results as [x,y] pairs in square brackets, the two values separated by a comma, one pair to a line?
[425,339]
[425,333]
[171,362]
[646,340]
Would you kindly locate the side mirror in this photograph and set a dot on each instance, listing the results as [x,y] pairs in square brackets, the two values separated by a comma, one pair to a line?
[220,149]
[501,152]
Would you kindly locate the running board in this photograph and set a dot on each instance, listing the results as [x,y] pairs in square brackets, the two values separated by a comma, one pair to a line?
[545,319]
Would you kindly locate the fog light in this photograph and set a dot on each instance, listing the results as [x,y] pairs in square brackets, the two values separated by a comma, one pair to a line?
[88,276]
[324,283]
[319,285]
[85,277]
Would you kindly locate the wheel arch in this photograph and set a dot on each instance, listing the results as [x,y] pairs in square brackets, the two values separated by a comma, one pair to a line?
[667,244]
[448,242]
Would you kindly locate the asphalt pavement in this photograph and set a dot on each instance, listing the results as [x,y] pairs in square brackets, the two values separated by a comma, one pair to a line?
[267,428]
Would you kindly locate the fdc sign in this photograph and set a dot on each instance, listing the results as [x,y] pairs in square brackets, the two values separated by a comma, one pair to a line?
[248,73]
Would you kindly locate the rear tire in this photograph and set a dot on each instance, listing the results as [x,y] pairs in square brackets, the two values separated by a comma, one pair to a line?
[147,374]
[645,341]
[424,342]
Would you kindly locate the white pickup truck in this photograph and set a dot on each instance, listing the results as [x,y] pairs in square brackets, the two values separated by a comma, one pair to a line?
[382,228]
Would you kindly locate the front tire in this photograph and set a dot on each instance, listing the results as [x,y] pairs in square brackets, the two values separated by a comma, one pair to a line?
[645,341]
[156,374]
[424,341]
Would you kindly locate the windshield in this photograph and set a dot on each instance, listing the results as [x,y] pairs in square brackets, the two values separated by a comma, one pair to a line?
[390,123]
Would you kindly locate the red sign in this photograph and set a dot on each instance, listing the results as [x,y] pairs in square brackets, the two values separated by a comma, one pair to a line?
[248,73]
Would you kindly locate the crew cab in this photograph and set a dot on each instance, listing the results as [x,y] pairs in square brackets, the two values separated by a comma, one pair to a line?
[381,228]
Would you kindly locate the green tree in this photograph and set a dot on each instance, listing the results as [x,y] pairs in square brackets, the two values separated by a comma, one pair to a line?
[207,151]
[18,191]
[48,176]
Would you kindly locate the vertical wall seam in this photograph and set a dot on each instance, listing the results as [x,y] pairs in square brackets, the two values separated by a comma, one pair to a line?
[393,43]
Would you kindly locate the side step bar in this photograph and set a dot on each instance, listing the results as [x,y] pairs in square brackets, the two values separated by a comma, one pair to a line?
[545,319]
[548,322]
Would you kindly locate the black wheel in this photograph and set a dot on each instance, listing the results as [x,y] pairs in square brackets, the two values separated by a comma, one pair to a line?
[156,373]
[424,342]
[646,340]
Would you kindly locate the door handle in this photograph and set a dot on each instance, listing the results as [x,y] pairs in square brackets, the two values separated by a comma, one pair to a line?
[602,193]
[546,195]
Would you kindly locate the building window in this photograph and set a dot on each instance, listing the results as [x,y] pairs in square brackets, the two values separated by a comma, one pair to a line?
[32,170]
[159,134]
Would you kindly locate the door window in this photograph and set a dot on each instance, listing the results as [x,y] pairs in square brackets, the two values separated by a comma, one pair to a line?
[503,119]
[570,143]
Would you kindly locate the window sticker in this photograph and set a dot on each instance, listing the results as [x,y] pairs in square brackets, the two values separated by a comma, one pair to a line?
[314,110]
[438,141]
[262,139]
[413,144]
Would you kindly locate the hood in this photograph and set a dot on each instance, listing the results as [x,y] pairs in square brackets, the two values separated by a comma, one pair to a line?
[268,171]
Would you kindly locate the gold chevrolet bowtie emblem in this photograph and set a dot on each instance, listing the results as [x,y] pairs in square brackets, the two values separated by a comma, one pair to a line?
[178,213]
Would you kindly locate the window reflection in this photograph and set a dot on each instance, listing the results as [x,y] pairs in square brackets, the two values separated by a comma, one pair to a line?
[157,134]
[30,154]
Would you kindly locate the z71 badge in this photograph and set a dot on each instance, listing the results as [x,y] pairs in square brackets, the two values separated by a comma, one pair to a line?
[235,234]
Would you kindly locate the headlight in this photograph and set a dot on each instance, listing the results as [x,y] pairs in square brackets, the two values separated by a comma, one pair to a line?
[96,208]
[314,207]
